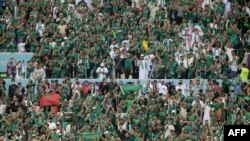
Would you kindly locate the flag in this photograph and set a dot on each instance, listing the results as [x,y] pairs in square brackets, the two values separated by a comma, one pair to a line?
[129,88]
[88,136]
[50,99]
[144,45]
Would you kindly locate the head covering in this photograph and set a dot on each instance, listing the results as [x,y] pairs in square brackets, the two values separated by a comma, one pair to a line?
[102,64]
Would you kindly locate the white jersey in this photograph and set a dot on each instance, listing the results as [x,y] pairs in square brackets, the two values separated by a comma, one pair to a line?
[40,28]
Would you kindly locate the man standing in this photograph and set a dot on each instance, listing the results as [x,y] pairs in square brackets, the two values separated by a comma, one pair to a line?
[12,88]
[143,68]
[38,73]
[128,67]
[244,73]
[40,28]
[102,71]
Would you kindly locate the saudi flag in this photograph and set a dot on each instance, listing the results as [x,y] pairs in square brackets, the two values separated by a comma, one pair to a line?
[129,88]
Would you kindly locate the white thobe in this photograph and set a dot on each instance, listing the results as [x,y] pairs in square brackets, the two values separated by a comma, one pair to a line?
[102,72]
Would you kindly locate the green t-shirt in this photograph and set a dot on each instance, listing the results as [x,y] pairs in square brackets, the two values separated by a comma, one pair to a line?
[226,85]
[209,60]
[128,63]
[191,72]
[189,128]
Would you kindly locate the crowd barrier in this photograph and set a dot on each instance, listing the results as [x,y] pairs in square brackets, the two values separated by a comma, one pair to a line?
[174,81]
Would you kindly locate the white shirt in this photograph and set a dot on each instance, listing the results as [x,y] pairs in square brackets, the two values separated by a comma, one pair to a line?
[52,44]
[2,109]
[228,6]
[52,125]
[185,64]
[102,72]
[55,10]
[183,88]
[111,47]
[177,56]
[216,52]
[162,88]
[77,2]
[248,11]
[123,52]
[76,86]
[112,54]
[40,28]
[146,89]
[168,128]
[68,128]
[127,44]
[233,65]
[21,47]
[190,60]
[201,103]
[94,90]
[39,73]
[229,53]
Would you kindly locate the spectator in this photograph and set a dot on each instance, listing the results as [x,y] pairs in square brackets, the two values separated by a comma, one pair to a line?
[38,74]
[143,68]
[244,72]
[21,47]
[12,89]
[102,71]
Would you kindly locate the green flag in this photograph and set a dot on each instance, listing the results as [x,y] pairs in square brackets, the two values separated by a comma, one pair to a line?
[129,88]
[236,80]
[88,136]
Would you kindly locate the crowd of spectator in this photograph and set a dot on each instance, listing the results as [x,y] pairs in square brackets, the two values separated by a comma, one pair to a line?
[133,39]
